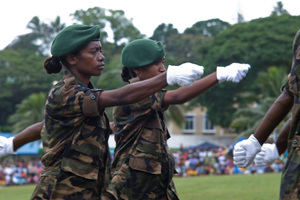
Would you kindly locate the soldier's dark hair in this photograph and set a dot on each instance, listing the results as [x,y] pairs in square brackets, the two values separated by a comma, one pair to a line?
[127,74]
[53,65]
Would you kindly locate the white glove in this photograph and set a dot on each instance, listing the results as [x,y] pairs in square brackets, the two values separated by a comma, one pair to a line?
[184,74]
[234,72]
[6,146]
[267,155]
[244,152]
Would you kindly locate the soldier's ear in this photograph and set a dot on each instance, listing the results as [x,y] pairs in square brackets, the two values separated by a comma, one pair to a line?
[71,59]
[136,70]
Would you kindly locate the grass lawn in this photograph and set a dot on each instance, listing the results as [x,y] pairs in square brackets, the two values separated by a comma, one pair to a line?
[227,187]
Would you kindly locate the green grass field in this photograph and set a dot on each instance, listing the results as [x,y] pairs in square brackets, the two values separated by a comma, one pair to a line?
[227,187]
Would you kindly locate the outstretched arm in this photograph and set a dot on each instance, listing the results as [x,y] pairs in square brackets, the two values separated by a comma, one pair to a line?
[184,94]
[29,134]
[12,144]
[234,72]
[282,140]
[280,108]
[184,74]
[271,152]
[245,151]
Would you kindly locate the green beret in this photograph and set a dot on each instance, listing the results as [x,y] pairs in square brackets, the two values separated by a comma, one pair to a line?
[73,38]
[142,52]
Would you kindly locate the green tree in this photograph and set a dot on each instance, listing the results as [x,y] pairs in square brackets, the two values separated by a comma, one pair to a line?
[24,42]
[175,113]
[209,28]
[21,74]
[183,48]
[114,20]
[279,10]
[92,16]
[29,111]
[40,38]
[262,43]
[122,28]
[240,18]
[164,31]
[45,33]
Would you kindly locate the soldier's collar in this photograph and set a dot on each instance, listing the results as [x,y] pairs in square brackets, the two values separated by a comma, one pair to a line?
[135,79]
[69,74]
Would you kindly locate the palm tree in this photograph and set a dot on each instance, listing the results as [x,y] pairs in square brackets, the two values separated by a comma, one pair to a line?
[175,114]
[40,37]
[29,111]
[44,33]
[279,10]
[246,120]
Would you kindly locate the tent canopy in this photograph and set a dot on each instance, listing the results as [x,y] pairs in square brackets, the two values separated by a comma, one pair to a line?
[208,145]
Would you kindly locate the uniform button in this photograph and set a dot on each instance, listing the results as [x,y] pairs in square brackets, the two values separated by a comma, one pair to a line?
[93,97]
[295,141]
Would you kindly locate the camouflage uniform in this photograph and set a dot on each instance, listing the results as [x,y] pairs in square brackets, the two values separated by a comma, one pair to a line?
[75,141]
[143,165]
[290,180]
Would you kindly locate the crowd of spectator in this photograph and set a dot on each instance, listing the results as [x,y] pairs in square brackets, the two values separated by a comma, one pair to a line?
[19,171]
[192,161]
[215,161]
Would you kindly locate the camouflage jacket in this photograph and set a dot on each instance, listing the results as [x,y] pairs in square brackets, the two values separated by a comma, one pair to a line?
[143,165]
[75,138]
[290,181]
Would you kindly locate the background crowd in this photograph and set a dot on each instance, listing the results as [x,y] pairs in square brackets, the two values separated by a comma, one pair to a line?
[192,161]
[216,161]
[18,171]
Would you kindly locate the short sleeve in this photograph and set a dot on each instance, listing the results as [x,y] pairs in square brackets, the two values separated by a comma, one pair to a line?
[286,87]
[90,102]
[157,100]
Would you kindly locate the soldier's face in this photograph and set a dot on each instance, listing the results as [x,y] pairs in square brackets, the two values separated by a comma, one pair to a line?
[150,71]
[90,61]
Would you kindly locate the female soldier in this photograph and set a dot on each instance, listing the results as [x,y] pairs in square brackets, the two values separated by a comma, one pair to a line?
[143,165]
[76,128]
[289,139]
[153,58]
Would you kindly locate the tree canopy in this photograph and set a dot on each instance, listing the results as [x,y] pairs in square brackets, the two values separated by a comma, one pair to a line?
[263,42]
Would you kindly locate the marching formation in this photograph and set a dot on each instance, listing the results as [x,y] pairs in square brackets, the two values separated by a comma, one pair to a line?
[77,162]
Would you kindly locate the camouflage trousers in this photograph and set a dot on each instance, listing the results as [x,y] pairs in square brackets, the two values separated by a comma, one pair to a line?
[130,184]
[66,186]
[290,180]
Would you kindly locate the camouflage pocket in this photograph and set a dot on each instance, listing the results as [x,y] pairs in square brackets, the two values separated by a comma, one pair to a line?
[44,188]
[150,136]
[52,154]
[145,165]
[153,123]
[84,170]
[149,144]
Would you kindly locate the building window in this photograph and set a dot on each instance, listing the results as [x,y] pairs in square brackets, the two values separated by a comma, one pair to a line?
[207,125]
[190,123]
